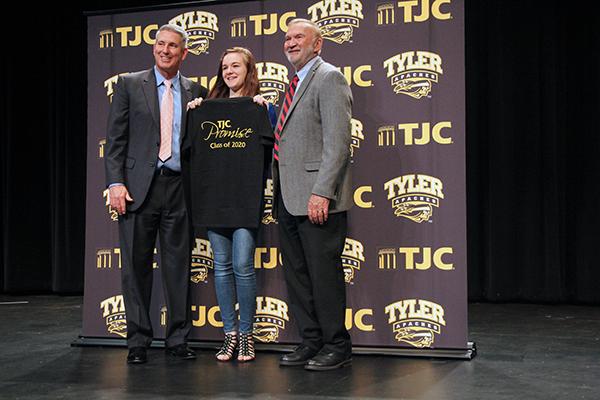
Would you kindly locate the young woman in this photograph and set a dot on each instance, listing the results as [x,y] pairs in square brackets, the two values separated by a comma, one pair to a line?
[234,247]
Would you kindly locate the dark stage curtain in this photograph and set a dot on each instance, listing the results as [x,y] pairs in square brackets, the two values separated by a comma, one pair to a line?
[532,151]
[532,142]
[42,115]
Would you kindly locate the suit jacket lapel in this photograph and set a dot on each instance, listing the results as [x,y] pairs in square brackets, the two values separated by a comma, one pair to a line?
[151,94]
[305,83]
[186,97]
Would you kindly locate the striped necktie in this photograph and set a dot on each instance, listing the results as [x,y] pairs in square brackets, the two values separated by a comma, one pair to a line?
[166,123]
[289,96]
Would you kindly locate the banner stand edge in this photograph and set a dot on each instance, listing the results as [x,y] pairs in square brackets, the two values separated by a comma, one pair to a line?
[467,353]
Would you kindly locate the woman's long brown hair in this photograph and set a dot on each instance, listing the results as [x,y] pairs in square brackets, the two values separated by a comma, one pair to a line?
[250,86]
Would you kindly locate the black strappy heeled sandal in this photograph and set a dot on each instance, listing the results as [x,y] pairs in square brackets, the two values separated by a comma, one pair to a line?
[228,347]
[246,348]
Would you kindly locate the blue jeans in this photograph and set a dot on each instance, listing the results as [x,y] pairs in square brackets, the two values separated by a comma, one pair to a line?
[233,251]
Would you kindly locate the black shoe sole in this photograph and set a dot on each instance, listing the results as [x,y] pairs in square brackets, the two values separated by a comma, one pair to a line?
[182,358]
[292,363]
[133,362]
[345,363]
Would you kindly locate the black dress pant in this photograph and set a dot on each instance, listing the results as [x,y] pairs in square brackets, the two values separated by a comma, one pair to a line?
[315,278]
[163,213]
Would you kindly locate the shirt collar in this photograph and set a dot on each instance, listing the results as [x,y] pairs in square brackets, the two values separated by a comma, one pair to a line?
[160,79]
[304,70]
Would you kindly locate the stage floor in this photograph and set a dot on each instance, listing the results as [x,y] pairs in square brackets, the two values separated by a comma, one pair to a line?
[524,352]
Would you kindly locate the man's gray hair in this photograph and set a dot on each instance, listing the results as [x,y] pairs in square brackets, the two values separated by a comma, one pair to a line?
[177,29]
[311,25]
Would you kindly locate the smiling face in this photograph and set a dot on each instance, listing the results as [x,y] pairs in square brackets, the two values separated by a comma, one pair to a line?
[169,52]
[301,44]
[234,72]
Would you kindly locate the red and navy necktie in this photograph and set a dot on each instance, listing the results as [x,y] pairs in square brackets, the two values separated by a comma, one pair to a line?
[289,96]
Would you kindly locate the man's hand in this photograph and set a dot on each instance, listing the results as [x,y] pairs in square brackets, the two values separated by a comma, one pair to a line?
[119,196]
[318,209]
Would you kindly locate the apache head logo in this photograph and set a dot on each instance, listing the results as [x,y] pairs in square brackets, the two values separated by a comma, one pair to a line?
[418,337]
[265,332]
[336,33]
[417,211]
[337,21]
[198,45]
[416,87]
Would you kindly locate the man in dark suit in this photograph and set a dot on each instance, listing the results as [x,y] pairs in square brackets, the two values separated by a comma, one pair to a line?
[143,160]
[311,177]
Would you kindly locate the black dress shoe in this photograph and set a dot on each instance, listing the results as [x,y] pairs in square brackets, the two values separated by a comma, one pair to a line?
[137,355]
[299,356]
[182,351]
[326,361]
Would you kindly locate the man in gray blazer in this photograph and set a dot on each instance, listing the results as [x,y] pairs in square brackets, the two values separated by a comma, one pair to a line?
[311,176]
[146,127]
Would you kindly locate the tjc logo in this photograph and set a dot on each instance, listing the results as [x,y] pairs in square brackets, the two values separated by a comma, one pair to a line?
[413,11]
[129,36]
[416,258]
[354,76]
[414,134]
[264,24]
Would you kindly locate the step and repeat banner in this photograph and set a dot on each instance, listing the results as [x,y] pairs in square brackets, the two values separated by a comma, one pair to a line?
[405,254]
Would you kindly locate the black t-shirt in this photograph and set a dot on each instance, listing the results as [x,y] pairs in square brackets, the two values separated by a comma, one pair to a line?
[231,142]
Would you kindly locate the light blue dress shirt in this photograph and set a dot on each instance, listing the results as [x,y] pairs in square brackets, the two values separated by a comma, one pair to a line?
[304,71]
[174,162]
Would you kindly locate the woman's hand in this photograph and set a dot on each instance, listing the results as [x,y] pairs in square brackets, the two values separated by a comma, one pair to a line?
[194,103]
[258,99]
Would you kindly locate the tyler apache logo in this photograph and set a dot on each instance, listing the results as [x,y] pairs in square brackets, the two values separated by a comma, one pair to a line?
[273,79]
[268,198]
[201,26]
[271,314]
[413,73]
[414,196]
[113,310]
[352,258]
[337,18]
[202,261]
[416,321]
